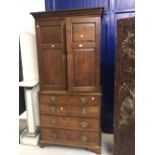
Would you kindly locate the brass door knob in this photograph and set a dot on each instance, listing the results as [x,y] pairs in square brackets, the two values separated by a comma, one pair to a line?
[93,98]
[69,56]
[61,108]
[80,45]
[52,45]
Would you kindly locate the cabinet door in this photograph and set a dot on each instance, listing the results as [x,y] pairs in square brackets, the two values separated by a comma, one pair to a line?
[83,44]
[51,54]
[124,130]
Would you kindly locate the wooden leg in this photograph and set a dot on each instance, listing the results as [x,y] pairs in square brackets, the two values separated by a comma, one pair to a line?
[96,149]
[41,145]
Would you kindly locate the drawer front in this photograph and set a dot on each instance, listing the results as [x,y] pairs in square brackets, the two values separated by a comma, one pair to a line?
[69,122]
[70,110]
[69,99]
[69,136]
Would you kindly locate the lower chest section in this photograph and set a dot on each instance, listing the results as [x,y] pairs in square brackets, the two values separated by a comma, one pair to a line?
[70,119]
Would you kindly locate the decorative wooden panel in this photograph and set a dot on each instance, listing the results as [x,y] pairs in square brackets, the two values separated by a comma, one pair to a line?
[52,66]
[83,32]
[84,64]
[124,130]
[51,32]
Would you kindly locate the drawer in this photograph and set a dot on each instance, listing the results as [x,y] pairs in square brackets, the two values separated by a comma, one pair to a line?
[70,110]
[69,122]
[69,99]
[69,136]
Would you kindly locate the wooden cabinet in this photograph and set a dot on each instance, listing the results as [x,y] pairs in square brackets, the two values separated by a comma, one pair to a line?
[68,44]
[124,129]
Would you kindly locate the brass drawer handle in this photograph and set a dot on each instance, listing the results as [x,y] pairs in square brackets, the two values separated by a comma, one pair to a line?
[53,109]
[84,110]
[84,124]
[52,99]
[84,138]
[53,136]
[84,99]
[53,122]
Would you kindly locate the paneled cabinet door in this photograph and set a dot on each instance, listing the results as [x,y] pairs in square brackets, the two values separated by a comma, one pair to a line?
[51,54]
[83,53]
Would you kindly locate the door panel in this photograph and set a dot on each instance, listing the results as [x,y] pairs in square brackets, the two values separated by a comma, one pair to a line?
[51,32]
[83,53]
[83,32]
[84,64]
[51,54]
[53,69]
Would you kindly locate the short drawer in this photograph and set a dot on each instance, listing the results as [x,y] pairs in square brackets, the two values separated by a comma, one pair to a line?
[70,136]
[66,122]
[69,99]
[70,110]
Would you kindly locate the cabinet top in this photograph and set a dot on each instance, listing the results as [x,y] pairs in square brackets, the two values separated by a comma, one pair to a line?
[67,13]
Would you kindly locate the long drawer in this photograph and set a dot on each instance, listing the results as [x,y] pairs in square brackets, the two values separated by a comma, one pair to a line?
[69,99]
[69,136]
[69,122]
[70,110]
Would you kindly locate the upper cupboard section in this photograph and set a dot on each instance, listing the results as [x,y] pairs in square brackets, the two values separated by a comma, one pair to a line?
[68,44]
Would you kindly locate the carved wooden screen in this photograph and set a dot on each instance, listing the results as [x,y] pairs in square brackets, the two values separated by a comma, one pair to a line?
[124,128]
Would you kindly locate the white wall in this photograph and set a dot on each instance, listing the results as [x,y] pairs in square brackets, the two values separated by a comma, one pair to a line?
[27,38]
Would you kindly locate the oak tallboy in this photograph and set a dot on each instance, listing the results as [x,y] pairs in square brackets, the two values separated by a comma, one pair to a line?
[68,45]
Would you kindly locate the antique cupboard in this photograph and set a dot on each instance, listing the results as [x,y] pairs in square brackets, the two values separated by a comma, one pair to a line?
[124,129]
[68,44]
